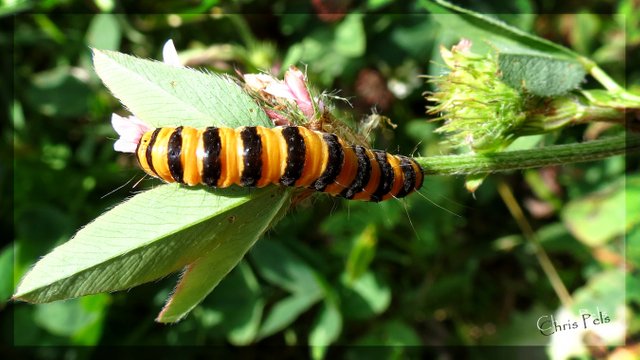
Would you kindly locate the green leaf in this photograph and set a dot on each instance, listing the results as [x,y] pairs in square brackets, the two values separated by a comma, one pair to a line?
[542,189]
[285,312]
[281,267]
[55,224]
[633,245]
[325,330]
[604,292]
[585,28]
[366,297]
[377,4]
[58,93]
[599,217]
[163,95]
[393,333]
[245,332]
[525,142]
[147,237]
[162,230]
[362,253]
[104,32]
[346,42]
[6,272]
[9,8]
[472,182]
[348,223]
[78,319]
[632,194]
[105,6]
[236,307]
[540,75]
[518,331]
[350,39]
[490,33]
[632,286]
[232,243]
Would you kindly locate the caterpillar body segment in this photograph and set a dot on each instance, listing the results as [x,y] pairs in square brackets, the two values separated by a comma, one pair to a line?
[256,156]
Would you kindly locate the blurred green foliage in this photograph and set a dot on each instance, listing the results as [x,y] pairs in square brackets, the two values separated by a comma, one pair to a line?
[445,268]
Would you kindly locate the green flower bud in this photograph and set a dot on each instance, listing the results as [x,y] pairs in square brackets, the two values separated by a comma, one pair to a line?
[480,111]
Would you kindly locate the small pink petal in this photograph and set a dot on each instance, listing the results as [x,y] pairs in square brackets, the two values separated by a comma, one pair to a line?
[464,45]
[296,81]
[277,118]
[170,55]
[306,108]
[259,82]
[280,90]
[124,146]
[130,130]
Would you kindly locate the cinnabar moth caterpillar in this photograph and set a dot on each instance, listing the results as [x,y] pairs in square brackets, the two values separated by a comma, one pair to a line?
[290,155]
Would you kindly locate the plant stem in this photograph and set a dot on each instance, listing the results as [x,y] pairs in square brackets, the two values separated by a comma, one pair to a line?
[607,82]
[604,79]
[530,235]
[468,164]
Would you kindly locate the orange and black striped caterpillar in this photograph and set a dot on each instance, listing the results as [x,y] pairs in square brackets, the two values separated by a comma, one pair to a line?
[256,156]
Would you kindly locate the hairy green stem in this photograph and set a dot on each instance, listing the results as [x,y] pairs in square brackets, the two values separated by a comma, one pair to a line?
[469,164]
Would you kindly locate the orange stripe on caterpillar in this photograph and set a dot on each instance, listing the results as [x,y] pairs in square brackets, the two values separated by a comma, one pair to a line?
[256,156]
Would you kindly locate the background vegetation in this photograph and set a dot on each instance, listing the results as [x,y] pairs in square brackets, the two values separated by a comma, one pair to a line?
[448,268]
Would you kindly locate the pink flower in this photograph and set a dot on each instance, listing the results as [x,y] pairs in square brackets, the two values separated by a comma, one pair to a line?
[277,118]
[258,82]
[297,83]
[294,88]
[130,130]
[464,45]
